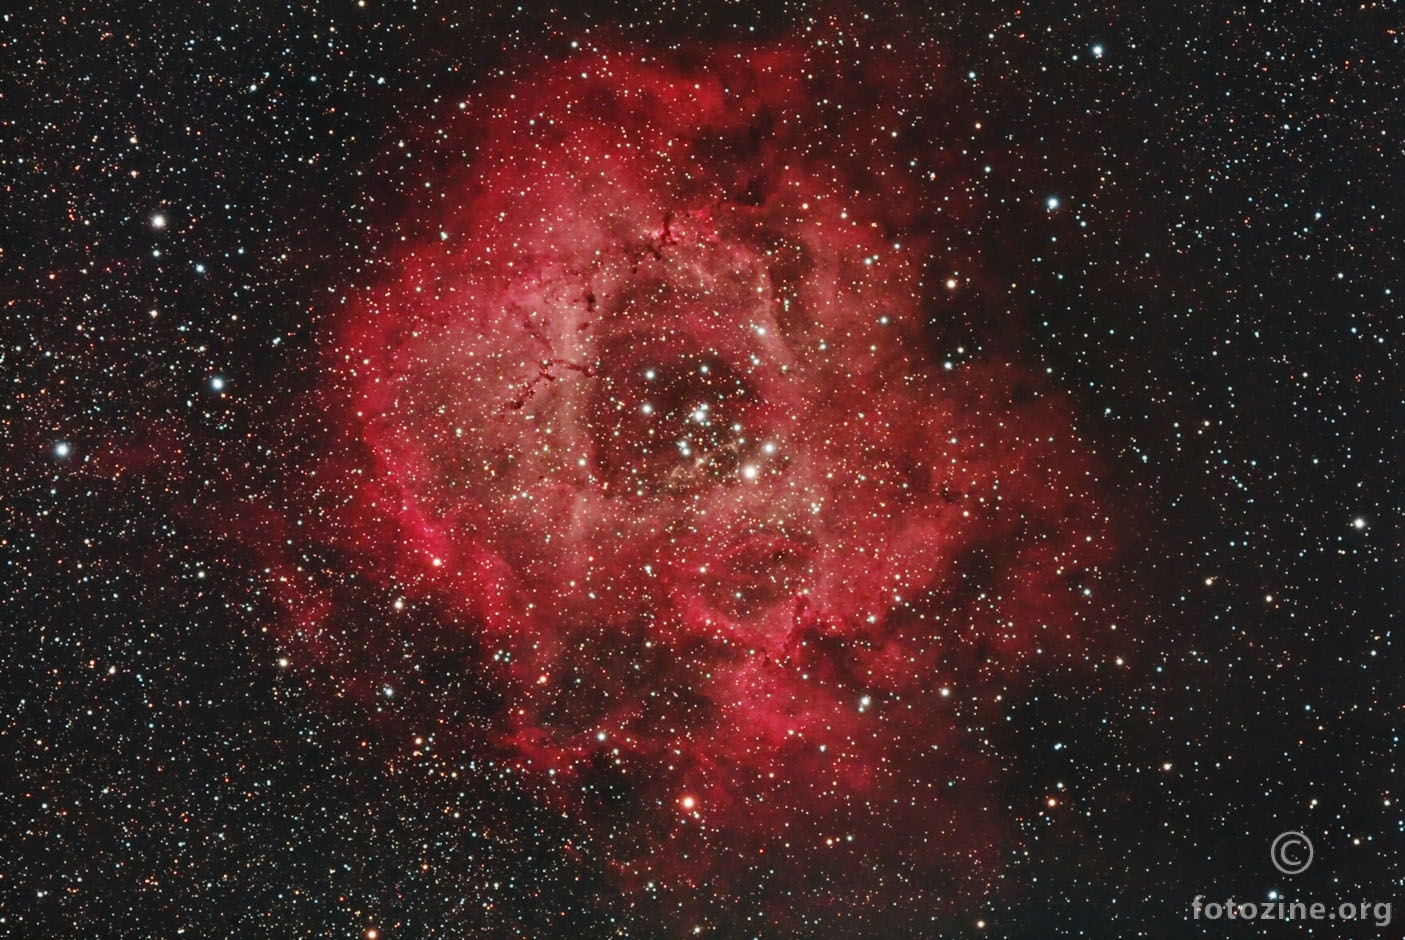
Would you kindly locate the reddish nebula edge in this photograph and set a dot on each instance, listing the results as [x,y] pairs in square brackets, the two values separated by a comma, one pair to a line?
[652,420]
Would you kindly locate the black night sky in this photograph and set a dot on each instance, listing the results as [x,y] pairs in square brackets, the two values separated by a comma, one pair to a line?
[775,470]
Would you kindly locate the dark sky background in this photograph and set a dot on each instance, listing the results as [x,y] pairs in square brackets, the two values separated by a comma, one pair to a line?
[1216,291]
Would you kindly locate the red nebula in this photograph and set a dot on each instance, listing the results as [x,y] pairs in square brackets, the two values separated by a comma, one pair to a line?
[654,414]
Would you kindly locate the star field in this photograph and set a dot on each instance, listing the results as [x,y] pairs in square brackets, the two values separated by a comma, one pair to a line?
[738,472]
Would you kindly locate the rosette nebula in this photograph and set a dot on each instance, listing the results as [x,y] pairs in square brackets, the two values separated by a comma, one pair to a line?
[683,413]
